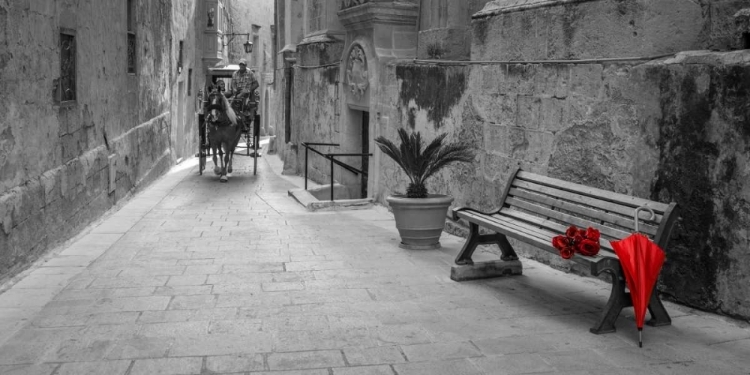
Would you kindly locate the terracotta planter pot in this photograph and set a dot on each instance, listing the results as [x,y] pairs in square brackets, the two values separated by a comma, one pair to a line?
[420,221]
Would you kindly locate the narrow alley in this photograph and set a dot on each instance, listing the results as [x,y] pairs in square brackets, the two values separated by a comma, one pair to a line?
[192,276]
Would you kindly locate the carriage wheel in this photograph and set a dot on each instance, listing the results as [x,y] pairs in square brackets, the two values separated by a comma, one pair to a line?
[256,140]
[247,142]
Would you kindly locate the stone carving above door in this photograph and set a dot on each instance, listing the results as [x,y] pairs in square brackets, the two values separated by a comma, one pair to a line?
[356,72]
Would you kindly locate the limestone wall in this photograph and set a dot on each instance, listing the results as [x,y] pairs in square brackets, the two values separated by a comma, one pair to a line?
[581,29]
[315,112]
[668,130]
[186,79]
[256,18]
[671,129]
[55,160]
[445,28]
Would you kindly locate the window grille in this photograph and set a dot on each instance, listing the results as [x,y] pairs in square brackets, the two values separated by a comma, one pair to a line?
[190,82]
[67,85]
[179,57]
[131,58]
[131,52]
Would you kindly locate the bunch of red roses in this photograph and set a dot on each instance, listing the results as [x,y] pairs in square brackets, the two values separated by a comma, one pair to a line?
[584,242]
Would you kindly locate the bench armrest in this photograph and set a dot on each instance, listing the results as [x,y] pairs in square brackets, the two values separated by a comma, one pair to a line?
[455,211]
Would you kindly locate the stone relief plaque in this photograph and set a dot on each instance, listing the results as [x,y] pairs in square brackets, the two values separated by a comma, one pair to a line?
[356,72]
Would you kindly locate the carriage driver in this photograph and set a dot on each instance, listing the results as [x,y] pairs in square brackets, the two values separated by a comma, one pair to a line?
[243,85]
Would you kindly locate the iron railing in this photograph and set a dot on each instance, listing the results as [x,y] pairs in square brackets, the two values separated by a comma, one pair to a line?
[332,158]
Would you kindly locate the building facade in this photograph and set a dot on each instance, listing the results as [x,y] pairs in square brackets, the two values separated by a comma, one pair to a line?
[255,18]
[639,97]
[86,115]
[99,99]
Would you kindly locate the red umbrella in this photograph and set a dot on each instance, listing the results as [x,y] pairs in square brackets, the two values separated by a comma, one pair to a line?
[641,262]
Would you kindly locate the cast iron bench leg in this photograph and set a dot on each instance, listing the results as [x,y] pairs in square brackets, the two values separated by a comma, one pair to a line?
[659,315]
[475,239]
[505,247]
[618,300]
[464,257]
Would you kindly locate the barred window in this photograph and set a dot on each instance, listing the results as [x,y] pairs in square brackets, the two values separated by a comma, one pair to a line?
[131,53]
[131,58]
[190,82]
[179,57]
[67,84]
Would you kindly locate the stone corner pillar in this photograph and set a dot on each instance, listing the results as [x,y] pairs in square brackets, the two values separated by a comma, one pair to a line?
[393,25]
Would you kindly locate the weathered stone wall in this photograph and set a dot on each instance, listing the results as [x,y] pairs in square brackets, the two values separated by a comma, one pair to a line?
[673,129]
[704,155]
[445,28]
[668,130]
[581,29]
[186,79]
[600,28]
[315,112]
[246,15]
[55,159]
[719,23]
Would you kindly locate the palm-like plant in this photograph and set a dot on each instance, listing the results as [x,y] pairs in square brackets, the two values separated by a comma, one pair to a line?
[419,164]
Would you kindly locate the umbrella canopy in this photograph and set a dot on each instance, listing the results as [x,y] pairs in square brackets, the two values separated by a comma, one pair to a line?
[641,262]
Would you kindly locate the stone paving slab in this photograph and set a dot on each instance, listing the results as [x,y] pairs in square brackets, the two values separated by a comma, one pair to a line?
[192,276]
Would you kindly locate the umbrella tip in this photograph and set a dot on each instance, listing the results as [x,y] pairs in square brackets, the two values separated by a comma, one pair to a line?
[640,337]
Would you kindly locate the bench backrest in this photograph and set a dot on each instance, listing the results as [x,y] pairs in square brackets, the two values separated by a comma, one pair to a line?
[556,204]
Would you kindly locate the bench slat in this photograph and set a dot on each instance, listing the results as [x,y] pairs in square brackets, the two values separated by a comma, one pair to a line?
[566,218]
[585,200]
[541,231]
[549,225]
[607,218]
[593,192]
[528,235]
[535,227]
[495,222]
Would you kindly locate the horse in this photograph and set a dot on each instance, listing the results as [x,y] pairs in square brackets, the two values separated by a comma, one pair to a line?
[224,133]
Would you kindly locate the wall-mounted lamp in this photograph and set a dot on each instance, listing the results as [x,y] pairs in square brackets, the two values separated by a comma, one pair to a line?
[248,45]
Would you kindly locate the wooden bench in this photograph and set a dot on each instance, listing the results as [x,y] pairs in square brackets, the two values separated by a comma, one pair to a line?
[536,208]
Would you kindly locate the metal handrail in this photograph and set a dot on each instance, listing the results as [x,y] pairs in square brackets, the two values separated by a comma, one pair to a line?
[332,158]
[307,145]
[346,166]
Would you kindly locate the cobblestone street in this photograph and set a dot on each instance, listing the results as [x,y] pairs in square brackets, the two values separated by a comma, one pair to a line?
[192,276]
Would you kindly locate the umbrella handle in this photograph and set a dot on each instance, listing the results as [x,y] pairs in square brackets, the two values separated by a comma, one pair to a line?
[638,210]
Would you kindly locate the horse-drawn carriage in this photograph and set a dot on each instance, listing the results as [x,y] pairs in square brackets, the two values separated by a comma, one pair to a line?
[224,122]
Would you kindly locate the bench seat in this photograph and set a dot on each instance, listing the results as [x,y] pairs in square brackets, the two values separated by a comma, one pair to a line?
[536,208]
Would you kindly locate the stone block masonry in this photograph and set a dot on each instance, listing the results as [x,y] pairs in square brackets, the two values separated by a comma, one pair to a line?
[672,130]
[55,150]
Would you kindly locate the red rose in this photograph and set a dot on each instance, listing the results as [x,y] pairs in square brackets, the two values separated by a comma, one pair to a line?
[582,233]
[567,252]
[578,239]
[589,247]
[559,242]
[571,232]
[592,234]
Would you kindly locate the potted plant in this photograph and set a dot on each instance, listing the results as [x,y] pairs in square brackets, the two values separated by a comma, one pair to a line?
[420,216]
